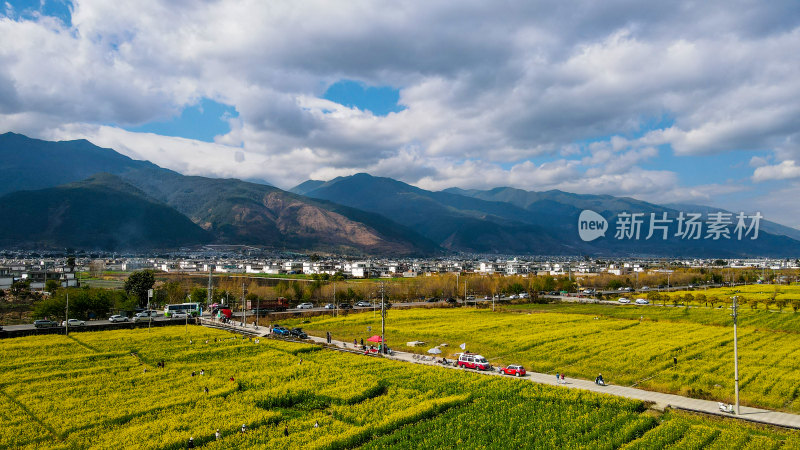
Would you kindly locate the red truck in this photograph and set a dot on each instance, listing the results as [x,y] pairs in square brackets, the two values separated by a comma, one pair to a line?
[263,305]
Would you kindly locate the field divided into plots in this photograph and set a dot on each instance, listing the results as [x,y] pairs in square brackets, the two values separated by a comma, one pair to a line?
[104,390]
[634,350]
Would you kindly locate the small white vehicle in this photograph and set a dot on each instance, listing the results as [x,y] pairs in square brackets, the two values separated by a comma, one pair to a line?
[74,323]
[364,304]
[117,318]
[624,300]
[305,305]
[641,301]
[180,315]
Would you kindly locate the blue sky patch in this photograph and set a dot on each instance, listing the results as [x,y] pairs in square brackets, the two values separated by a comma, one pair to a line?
[28,9]
[380,100]
[202,122]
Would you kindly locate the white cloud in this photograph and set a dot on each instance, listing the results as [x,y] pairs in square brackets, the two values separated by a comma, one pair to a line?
[783,171]
[516,96]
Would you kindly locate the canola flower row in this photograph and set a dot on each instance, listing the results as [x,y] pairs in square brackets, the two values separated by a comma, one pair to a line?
[290,395]
[627,352]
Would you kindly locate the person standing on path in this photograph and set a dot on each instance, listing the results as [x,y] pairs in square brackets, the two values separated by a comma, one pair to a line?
[563,381]
[558,378]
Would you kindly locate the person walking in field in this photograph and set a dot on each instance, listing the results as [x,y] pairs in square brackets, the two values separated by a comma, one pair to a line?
[286,430]
[190,444]
[216,435]
[244,428]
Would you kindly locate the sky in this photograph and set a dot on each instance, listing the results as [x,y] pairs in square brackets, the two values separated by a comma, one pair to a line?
[669,102]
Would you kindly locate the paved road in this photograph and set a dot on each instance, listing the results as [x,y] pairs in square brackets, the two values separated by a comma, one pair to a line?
[661,400]
[88,322]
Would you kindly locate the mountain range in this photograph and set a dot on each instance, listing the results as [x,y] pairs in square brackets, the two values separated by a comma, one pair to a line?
[75,194]
[514,221]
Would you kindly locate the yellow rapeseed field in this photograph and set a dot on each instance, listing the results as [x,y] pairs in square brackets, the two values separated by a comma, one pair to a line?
[106,390]
[627,351]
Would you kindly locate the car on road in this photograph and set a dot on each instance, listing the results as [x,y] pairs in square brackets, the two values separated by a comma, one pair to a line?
[73,323]
[624,300]
[181,315]
[142,316]
[473,361]
[513,369]
[644,288]
[363,304]
[329,306]
[305,305]
[345,306]
[432,300]
[451,301]
[298,333]
[641,301]
[280,331]
[118,318]
[44,323]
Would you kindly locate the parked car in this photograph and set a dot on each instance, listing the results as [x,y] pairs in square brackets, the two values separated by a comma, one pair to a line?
[513,369]
[298,333]
[73,323]
[452,301]
[345,306]
[142,316]
[44,323]
[432,300]
[363,304]
[641,301]
[280,331]
[118,318]
[623,300]
[181,315]
[473,361]
[329,306]
[306,305]
[644,288]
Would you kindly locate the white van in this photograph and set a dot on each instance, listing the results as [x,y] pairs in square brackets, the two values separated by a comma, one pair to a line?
[473,361]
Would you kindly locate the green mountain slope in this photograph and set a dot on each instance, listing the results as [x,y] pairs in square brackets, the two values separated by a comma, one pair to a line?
[102,212]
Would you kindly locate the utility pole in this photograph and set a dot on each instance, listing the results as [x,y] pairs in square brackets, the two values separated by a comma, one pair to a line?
[735,353]
[66,322]
[335,302]
[149,311]
[210,285]
[383,322]
[244,315]
[457,274]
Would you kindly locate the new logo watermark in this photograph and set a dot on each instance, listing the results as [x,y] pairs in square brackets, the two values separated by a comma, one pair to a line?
[591,225]
[685,226]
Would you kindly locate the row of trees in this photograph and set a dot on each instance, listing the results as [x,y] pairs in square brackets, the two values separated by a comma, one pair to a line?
[84,303]
[713,300]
